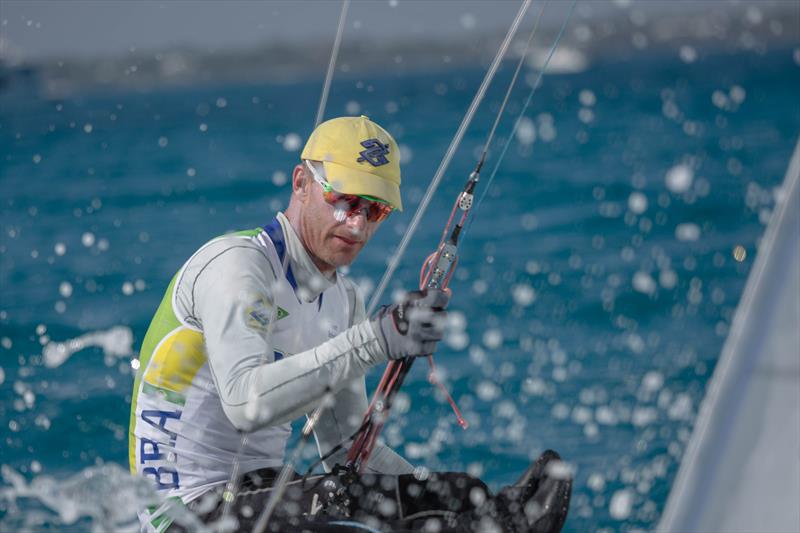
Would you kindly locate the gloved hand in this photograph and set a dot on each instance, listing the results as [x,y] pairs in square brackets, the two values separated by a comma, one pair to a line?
[414,326]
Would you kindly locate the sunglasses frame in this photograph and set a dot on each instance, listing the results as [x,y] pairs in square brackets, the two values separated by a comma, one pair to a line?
[377,210]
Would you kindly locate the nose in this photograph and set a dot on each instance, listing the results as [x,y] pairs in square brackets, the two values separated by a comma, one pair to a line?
[357,221]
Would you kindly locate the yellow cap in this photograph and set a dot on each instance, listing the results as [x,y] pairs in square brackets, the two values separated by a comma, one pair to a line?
[359,157]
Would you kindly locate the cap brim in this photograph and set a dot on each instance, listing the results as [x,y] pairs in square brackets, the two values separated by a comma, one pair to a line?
[350,181]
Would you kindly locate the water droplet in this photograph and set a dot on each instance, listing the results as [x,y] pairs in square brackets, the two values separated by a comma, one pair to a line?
[492,338]
[406,154]
[587,98]
[127,288]
[352,107]
[668,279]
[652,381]
[292,142]
[679,178]
[163,142]
[526,131]
[279,178]
[65,289]
[87,239]
[468,21]
[637,203]
[737,94]
[523,294]
[529,221]
[488,391]
[687,232]
[596,482]
[621,504]
[739,253]
[687,54]
[644,283]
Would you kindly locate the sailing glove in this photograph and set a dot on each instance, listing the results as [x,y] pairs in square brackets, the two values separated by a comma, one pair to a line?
[413,326]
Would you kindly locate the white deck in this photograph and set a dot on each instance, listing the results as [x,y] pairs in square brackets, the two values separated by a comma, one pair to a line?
[741,470]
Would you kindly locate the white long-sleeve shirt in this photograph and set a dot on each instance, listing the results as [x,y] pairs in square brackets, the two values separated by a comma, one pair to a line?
[249,336]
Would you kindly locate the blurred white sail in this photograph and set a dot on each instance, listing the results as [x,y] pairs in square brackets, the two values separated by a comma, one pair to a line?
[741,470]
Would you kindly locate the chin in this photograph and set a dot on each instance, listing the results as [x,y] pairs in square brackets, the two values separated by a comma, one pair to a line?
[342,261]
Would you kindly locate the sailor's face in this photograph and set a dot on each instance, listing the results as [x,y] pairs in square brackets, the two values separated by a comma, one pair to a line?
[331,242]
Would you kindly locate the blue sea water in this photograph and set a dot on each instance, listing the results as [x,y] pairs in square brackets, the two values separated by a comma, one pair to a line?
[594,291]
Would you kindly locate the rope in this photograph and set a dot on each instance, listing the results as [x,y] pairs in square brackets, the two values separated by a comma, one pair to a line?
[326,87]
[437,178]
[525,107]
[511,87]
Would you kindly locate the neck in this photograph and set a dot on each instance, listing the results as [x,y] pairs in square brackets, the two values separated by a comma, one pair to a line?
[293,216]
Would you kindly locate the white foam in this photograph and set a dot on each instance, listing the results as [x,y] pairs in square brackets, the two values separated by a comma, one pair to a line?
[107,494]
[115,342]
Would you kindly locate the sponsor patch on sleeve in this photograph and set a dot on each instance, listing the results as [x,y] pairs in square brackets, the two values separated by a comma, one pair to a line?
[259,313]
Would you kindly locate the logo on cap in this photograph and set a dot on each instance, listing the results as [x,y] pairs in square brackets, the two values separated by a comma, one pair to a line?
[375,153]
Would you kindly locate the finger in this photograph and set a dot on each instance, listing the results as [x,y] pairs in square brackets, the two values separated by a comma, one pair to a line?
[413,297]
[431,333]
[420,315]
[436,298]
[428,347]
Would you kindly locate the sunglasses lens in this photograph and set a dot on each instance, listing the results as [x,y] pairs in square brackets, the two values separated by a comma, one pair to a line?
[378,212]
[350,203]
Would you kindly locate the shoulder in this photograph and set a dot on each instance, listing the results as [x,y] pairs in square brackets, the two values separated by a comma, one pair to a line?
[226,263]
[239,252]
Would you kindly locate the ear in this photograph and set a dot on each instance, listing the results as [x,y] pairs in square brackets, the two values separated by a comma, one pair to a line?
[301,184]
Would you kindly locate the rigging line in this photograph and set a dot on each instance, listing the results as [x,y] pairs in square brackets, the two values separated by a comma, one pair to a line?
[510,88]
[232,485]
[437,178]
[525,107]
[334,54]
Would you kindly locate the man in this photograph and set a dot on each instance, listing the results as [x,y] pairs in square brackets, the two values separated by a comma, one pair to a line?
[258,326]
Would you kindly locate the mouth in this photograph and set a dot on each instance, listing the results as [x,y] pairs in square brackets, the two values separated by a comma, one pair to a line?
[345,240]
